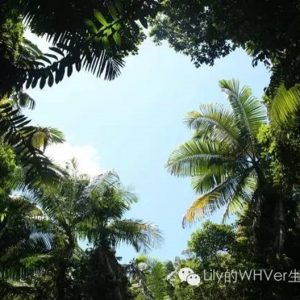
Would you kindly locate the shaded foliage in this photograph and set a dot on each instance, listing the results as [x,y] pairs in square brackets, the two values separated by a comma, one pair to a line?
[28,143]
[39,235]
[207,30]
[93,35]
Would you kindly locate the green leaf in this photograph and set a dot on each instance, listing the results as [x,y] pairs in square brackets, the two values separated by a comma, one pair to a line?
[105,42]
[57,50]
[51,55]
[78,66]
[70,70]
[99,16]
[59,75]
[108,32]
[285,105]
[44,58]
[135,27]
[50,79]
[29,81]
[34,82]
[43,81]
[91,25]
[2,217]
[112,10]
[116,26]
[117,38]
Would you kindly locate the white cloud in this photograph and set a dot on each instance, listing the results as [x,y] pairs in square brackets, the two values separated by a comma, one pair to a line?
[86,156]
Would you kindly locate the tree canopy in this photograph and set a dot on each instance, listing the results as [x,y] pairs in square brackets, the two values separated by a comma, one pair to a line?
[208,30]
[244,157]
[94,35]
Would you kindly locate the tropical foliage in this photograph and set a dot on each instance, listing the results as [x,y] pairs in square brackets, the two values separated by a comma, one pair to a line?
[40,234]
[216,253]
[92,36]
[235,160]
[222,157]
[28,142]
[208,30]
[60,230]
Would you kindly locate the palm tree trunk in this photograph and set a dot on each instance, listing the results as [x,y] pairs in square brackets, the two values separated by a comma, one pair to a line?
[280,226]
[270,224]
[109,265]
[60,282]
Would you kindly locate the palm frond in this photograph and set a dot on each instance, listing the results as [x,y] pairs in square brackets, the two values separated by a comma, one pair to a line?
[285,105]
[137,233]
[17,133]
[23,100]
[44,71]
[23,247]
[195,155]
[210,177]
[209,202]
[231,192]
[242,196]
[110,34]
[45,136]
[111,180]
[14,290]
[213,122]
[248,111]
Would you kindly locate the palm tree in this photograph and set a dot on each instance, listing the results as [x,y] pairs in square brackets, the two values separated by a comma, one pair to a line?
[25,246]
[222,157]
[104,224]
[105,227]
[39,231]
[79,208]
[24,240]
[62,206]
[229,168]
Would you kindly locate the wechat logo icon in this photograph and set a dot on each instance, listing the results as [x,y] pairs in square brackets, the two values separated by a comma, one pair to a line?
[188,275]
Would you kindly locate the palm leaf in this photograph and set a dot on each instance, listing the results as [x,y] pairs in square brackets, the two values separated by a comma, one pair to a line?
[231,192]
[195,155]
[137,233]
[210,177]
[45,136]
[248,111]
[214,122]
[14,290]
[284,105]
[209,202]
[23,100]
[243,195]
[17,133]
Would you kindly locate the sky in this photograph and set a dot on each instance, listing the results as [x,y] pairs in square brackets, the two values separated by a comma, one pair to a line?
[132,124]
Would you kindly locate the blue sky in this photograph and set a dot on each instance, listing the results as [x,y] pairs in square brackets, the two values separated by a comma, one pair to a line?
[132,124]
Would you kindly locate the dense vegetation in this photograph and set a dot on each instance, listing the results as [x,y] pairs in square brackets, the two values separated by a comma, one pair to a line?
[211,29]
[245,158]
[232,158]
